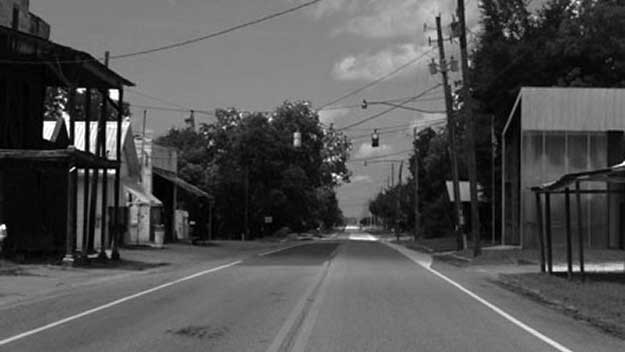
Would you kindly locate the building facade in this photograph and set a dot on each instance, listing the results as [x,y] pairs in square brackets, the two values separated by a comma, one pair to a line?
[556,131]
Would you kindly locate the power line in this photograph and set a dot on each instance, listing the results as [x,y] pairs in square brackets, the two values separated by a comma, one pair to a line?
[376,81]
[344,107]
[388,110]
[167,102]
[432,123]
[380,156]
[215,34]
[162,108]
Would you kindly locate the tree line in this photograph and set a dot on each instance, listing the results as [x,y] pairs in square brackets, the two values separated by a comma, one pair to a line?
[563,43]
[248,161]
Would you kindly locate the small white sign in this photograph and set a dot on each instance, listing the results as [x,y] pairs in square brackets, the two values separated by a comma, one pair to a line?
[268,219]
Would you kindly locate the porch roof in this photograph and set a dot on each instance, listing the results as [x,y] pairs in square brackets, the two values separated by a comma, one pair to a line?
[77,67]
[70,156]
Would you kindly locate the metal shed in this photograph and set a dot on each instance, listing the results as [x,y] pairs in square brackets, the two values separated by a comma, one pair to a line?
[556,131]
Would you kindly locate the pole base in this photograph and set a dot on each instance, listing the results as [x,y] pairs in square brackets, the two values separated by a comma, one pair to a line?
[68,260]
[102,256]
[115,255]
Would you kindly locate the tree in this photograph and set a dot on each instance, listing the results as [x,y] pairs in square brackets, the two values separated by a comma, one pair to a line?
[254,151]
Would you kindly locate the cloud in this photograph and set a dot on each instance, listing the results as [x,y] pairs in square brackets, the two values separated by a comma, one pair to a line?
[369,66]
[366,150]
[361,178]
[330,116]
[391,18]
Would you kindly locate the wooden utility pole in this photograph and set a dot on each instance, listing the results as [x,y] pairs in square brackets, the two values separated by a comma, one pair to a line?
[451,135]
[470,140]
[493,208]
[417,214]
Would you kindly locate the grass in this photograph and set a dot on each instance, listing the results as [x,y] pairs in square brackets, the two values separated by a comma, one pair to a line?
[598,300]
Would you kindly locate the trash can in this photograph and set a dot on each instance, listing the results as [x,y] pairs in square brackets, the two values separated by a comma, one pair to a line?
[159,235]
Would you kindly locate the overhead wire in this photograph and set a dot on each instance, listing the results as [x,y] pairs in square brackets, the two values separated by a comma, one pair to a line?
[375,81]
[215,34]
[360,122]
[380,156]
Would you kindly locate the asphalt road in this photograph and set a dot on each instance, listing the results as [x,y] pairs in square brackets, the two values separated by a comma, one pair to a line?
[342,295]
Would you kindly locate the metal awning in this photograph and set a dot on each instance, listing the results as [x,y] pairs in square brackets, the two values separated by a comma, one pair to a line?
[191,189]
[612,174]
[143,197]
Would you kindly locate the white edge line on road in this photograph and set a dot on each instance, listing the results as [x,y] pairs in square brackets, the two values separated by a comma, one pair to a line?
[492,307]
[114,303]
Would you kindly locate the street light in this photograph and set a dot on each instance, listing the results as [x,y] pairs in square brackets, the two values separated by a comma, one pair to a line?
[365,104]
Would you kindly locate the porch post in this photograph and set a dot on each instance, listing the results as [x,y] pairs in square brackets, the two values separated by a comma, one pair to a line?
[70,224]
[569,246]
[580,230]
[541,239]
[548,231]
[118,156]
[88,245]
[94,185]
[104,155]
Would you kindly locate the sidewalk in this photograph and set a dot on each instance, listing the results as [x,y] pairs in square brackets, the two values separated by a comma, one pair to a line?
[24,281]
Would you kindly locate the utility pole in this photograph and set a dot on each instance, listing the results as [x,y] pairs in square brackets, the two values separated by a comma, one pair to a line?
[397,202]
[417,214]
[493,147]
[145,115]
[467,108]
[451,136]
[392,175]
[246,186]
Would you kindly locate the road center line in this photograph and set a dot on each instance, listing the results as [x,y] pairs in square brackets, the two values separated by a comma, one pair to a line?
[114,303]
[278,250]
[491,306]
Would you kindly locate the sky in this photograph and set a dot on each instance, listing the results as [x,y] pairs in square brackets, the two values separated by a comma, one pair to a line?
[316,54]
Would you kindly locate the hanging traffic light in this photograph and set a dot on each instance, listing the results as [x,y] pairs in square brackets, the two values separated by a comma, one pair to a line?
[375,139]
[297,139]
[364,104]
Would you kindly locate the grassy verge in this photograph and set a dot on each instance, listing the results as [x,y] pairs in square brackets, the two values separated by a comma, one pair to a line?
[599,300]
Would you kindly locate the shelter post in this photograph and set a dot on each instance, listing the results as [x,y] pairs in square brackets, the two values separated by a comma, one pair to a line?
[569,245]
[541,237]
[580,230]
[548,231]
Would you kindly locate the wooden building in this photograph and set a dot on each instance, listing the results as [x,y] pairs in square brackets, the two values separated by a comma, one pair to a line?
[38,181]
[555,131]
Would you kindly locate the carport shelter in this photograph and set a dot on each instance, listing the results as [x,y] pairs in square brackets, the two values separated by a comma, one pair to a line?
[610,176]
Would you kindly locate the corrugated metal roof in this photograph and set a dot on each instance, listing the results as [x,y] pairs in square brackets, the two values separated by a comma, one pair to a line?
[572,109]
[111,135]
